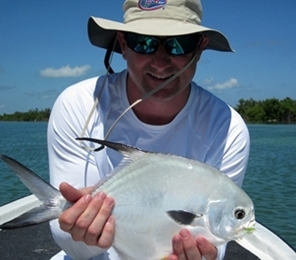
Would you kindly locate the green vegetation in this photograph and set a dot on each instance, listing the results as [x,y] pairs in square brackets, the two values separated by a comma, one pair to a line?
[267,111]
[31,115]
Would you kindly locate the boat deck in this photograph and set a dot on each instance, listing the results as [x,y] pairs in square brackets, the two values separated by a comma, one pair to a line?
[36,243]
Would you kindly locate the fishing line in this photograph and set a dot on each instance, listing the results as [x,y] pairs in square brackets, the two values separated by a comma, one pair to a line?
[145,96]
[97,100]
[150,93]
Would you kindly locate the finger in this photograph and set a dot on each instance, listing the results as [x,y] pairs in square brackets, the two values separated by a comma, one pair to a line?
[72,194]
[178,249]
[97,226]
[207,249]
[84,220]
[93,219]
[106,239]
[69,217]
[172,257]
[189,246]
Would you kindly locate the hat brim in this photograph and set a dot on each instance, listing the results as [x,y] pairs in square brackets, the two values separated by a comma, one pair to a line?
[101,32]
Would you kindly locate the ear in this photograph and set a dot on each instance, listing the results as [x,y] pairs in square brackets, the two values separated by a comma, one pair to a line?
[203,44]
[122,44]
[201,47]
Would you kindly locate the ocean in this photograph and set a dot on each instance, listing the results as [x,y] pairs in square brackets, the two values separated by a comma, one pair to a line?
[270,178]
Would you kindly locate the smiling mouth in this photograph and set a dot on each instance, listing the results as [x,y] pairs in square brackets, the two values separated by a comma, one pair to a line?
[160,77]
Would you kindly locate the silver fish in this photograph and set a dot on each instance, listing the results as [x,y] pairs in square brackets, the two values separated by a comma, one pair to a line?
[156,195]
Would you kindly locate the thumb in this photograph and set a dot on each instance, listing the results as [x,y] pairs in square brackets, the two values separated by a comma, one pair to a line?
[72,194]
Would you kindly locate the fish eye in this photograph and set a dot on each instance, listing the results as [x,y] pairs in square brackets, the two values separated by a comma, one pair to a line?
[239,214]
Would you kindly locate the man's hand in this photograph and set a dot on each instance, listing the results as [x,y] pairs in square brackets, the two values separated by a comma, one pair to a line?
[186,247]
[89,219]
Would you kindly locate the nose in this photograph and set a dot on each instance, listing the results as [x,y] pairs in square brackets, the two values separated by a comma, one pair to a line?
[161,59]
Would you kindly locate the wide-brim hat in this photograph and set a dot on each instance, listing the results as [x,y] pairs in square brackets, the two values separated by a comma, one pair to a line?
[156,18]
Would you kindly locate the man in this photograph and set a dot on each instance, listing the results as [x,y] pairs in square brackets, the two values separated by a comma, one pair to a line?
[162,42]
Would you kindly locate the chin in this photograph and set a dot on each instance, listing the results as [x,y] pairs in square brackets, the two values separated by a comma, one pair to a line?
[161,97]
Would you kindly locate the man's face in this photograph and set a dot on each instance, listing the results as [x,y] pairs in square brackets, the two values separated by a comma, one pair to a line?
[147,71]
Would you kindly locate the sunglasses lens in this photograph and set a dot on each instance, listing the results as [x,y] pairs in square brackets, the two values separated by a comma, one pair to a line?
[181,45]
[142,43]
[178,45]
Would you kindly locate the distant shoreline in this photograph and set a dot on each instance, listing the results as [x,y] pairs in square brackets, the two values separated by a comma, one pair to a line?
[33,115]
[13,121]
[33,121]
[247,122]
[268,111]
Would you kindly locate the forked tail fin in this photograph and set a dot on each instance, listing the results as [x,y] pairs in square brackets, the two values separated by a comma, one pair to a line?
[53,202]
[34,216]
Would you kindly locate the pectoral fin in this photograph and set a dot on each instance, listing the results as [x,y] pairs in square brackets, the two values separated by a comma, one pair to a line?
[183,217]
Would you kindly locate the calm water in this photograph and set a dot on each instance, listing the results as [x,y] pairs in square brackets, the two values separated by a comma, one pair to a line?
[25,142]
[270,180]
[271,177]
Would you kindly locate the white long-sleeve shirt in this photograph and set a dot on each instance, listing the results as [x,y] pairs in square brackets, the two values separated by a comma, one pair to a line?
[206,129]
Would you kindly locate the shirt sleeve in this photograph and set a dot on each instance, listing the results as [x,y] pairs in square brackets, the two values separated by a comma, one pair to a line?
[68,162]
[235,157]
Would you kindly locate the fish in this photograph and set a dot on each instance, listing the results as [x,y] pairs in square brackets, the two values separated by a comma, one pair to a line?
[156,195]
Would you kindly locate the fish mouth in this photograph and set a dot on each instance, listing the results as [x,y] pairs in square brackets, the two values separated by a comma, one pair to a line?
[249,230]
[250,227]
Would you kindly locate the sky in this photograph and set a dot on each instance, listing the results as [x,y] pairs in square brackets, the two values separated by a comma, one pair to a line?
[44,48]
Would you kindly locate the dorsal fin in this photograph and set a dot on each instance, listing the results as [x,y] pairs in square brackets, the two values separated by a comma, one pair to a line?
[127,151]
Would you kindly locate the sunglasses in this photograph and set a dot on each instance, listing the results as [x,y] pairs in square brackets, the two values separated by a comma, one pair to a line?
[176,46]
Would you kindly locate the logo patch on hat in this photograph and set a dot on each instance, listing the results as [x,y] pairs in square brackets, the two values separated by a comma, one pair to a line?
[151,4]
